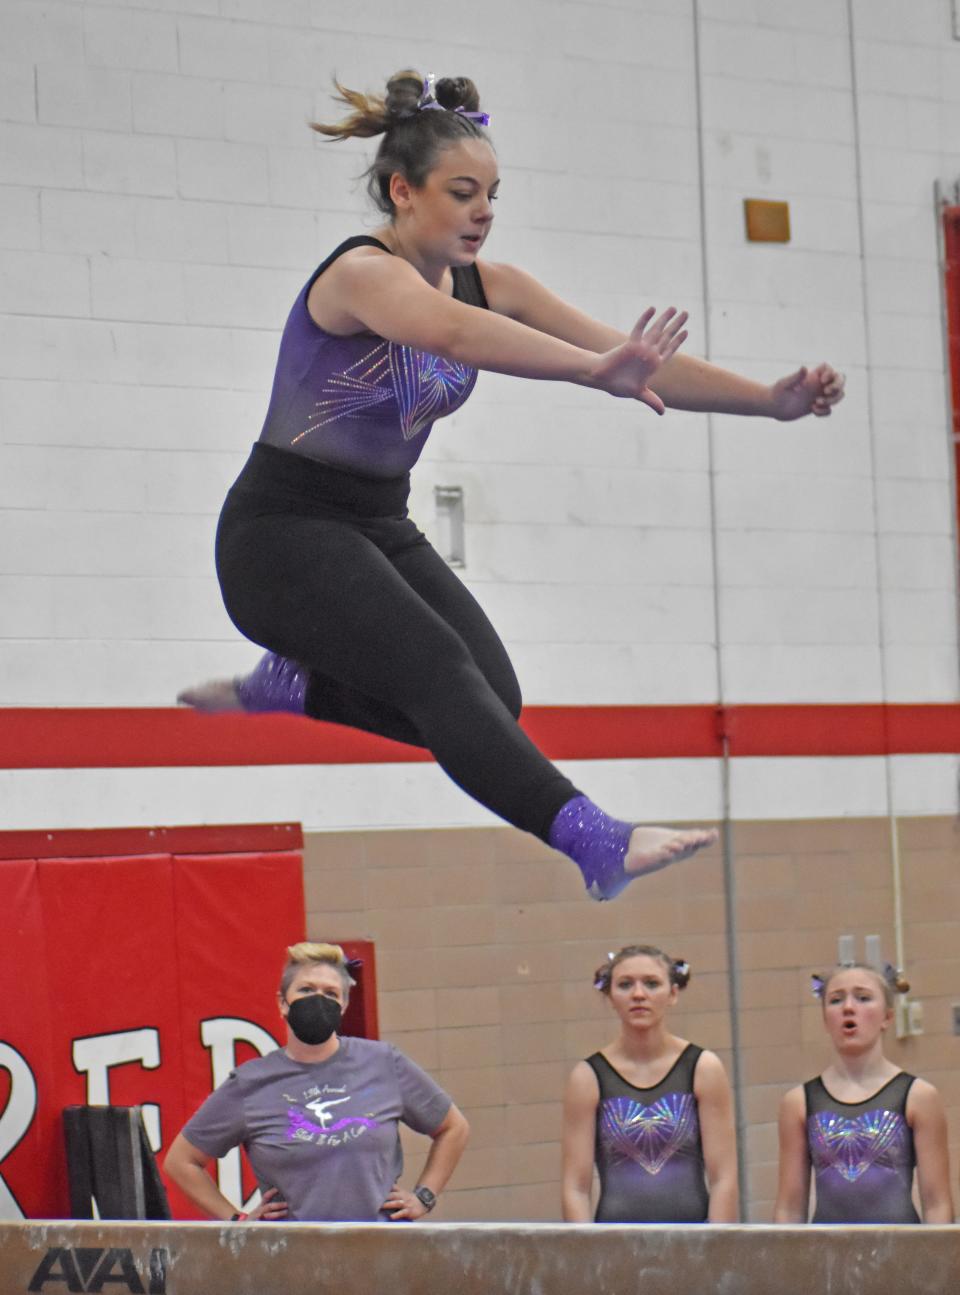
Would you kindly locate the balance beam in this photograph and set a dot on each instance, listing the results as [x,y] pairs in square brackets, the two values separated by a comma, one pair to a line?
[474,1259]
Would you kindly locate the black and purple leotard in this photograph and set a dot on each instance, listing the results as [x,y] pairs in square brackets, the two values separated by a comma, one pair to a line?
[360,403]
[364,623]
[319,562]
[648,1149]
[862,1154]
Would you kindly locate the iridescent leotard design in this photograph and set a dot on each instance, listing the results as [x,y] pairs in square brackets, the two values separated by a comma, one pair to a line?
[862,1155]
[648,1149]
[362,403]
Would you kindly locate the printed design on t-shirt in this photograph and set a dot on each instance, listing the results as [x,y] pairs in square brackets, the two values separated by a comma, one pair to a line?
[423,387]
[652,1135]
[852,1146]
[323,1126]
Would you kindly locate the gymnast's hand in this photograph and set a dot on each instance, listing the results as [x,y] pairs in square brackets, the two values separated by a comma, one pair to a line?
[626,370]
[401,1204]
[808,391]
[271,1207]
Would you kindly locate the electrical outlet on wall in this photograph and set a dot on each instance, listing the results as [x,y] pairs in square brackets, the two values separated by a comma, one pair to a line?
[908,1017]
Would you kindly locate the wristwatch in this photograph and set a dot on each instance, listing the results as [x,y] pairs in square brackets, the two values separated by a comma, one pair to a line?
[426,1197]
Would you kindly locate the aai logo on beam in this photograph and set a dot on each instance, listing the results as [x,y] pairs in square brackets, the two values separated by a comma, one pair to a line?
[87,1270]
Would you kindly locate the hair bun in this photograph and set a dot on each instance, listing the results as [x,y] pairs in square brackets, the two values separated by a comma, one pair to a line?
[603,974]
[457,92]
[403,94]
[680,973]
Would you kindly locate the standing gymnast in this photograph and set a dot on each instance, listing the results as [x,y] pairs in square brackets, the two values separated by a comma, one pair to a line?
[863,1125]
[317,559]
[653,1112]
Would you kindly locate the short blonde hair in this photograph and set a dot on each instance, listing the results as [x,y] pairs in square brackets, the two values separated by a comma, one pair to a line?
[308,954]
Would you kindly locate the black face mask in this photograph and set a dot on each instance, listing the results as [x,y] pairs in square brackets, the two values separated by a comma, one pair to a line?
[314,1018]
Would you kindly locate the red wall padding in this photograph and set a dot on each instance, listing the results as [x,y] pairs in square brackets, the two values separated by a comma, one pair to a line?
[93,947]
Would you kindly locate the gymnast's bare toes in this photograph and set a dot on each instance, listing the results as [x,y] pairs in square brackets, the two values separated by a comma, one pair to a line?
[652,848]
[214,696]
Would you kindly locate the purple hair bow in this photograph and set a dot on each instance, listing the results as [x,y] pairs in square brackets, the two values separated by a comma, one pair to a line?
[428,99]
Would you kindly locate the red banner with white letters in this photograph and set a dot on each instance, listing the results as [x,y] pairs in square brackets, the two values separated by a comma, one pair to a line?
[132,980]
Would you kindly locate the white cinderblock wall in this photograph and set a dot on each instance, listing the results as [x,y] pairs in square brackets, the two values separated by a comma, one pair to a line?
[162,201]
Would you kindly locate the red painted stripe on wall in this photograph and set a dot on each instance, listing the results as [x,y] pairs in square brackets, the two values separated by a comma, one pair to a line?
[65,738]
[39,738]
[836,730]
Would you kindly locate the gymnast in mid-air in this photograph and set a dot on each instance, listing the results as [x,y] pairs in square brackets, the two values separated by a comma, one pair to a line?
[364,623]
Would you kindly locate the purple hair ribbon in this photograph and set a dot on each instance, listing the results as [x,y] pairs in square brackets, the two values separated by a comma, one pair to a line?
[602,977]
[428,95]
[428,100]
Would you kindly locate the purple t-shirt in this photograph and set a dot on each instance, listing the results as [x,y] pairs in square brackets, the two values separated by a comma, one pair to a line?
[325,1134]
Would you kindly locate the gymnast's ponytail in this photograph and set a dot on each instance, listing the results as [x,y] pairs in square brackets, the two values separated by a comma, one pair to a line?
[372,114]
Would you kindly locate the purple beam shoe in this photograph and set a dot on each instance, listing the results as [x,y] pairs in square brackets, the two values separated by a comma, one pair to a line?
[275,684]
[596,843]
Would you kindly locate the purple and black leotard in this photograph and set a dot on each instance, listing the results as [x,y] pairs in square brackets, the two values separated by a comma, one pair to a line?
[360,403]
[318,561]
[364,623]
[862,1154]
[648,1150]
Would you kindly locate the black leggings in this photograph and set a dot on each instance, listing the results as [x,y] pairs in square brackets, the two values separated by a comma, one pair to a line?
[326,568]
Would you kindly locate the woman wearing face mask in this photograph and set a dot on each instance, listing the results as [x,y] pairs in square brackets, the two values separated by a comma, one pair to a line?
[864,1125]
[319,1118]
[651,1111]
[318,561]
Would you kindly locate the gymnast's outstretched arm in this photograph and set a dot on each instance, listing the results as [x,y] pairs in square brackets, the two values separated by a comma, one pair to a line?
[683,381]
[384,294]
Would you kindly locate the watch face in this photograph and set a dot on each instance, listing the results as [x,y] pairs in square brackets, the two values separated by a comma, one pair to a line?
[425,1196]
